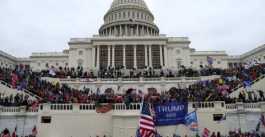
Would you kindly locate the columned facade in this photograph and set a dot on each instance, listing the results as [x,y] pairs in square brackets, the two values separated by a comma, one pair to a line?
[136,56]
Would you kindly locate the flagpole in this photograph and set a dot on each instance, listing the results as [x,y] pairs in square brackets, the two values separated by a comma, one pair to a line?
[196,108]
[141,107]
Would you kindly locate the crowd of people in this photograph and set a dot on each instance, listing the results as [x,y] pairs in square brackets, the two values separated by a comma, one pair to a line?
[121,72]
[208,90]
[7,133]
[15,100]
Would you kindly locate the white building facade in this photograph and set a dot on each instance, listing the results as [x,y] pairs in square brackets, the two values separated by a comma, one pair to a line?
[129,39]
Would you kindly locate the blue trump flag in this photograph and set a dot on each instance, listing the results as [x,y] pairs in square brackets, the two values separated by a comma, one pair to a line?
[192,121]
[170,113]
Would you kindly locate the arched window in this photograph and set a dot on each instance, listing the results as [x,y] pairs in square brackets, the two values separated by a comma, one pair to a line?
[80,52]
[133,15]
[119,15]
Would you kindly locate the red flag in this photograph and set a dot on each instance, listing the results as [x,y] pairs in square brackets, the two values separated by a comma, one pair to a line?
[34,131]
[206,132]
[35,105]
[14,134]
[104,108]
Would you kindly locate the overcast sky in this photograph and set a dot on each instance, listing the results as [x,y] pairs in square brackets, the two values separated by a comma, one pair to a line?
[29,26]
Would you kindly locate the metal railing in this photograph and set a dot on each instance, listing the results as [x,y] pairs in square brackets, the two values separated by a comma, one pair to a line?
[132,107]
[253,82]
[134,79]
[23,90]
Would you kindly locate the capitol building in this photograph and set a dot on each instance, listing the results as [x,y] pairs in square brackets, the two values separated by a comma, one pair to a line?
[130,39]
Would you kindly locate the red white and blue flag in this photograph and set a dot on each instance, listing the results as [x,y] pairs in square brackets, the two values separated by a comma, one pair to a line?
[146,122]
[210,60]
[192,121]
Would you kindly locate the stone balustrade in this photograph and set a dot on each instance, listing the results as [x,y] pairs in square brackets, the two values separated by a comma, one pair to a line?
[200,106]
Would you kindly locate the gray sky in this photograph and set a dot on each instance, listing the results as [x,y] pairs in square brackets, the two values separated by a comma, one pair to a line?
[29,26]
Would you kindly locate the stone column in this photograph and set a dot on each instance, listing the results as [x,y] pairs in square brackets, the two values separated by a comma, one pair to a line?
[150,56]
[124,57]
[113,56]
[93,57]
[126,30]
[137,30]
[131,31]
[108,55]
[120,31]
[98,48]
[161,56]
[115,31]
[134,57]
[145,56]
[142,32]
[109,31]
[165,56]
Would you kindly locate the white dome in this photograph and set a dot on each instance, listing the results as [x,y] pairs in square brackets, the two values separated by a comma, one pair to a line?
[125,15]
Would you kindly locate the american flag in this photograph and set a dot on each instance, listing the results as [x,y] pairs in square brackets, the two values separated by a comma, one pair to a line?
[146,122]
[210,60]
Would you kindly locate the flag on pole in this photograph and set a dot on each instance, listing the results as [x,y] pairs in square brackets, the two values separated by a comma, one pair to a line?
[210,60]
[34,131]
[192,121]
[14,134]
[206,132]
[258,127]
[103,108]
[261,122]
[146,122]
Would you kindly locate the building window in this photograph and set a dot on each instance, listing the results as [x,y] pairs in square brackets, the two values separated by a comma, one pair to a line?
[57,64]
[80,62]
[115,16]
[66,64]
[124,14]
[218,62]
[38,63]
[191,62]
[177,51]
[179,63]
[80,52]
[133,14]
[47,65]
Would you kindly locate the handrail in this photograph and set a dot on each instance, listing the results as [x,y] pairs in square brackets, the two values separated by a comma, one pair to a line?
[253,82]
[24,90]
